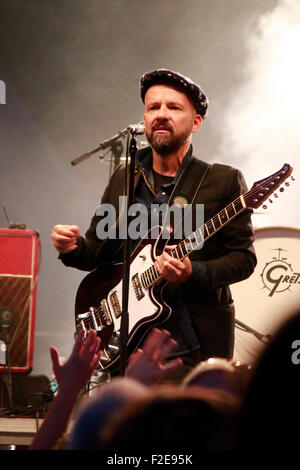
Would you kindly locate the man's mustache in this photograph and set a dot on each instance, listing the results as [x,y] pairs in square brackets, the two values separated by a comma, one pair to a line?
[161,125]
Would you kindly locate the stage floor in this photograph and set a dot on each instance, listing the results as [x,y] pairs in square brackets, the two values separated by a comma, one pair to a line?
[18,431]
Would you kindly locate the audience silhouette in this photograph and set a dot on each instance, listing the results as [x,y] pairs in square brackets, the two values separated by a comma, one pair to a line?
[221,404]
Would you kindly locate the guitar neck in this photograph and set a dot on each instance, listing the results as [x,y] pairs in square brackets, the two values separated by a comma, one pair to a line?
[207,230]
[197,238]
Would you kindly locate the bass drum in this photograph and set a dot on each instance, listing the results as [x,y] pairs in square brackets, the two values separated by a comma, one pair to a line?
[271,294]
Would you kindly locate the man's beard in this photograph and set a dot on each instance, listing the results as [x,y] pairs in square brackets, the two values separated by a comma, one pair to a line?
[165,144]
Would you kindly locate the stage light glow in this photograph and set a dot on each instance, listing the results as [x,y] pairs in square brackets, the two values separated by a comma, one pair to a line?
[261,125]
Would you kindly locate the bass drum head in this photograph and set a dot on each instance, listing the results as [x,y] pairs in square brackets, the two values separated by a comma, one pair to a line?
[271,294]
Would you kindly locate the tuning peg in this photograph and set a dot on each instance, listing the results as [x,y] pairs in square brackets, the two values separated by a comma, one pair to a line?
[270,200]
[287,183]
[275,195]
[265,206]
[292,178]
[281,189]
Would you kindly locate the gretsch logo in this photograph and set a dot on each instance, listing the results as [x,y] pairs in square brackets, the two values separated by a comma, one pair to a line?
[278,275]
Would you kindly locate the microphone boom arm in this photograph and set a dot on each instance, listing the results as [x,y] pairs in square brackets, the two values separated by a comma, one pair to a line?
[133,129]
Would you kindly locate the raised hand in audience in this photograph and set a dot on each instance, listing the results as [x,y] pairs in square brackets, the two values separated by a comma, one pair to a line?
[71,378]
[148,364]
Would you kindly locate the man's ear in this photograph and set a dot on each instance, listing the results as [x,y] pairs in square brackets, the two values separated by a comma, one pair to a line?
[197,123]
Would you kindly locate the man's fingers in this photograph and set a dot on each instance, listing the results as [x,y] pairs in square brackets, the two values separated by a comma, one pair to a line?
[65,230]
[64,237]
[167,269]
[174,262]
[166,261]
[170,247]
[74,229]
[172,269]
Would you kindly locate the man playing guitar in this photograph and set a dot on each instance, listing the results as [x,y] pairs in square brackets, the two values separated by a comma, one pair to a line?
[197,288]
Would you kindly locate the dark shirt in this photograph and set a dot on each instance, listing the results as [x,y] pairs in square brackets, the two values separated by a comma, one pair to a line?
[160,180]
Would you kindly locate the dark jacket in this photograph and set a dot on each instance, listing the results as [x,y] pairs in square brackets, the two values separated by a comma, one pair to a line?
[229,255]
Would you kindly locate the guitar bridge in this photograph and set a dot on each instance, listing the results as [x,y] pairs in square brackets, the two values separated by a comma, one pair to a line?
[84,321]
[87,320]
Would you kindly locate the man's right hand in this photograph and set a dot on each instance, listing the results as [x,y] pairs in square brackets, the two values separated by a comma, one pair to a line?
[64,237]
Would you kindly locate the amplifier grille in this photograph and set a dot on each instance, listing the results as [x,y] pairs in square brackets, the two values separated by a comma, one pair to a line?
[15,292]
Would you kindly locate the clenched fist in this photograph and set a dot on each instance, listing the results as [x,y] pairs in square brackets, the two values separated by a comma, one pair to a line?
[64,237]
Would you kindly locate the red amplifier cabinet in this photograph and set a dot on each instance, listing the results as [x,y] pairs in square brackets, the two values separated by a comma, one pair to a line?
[19,258]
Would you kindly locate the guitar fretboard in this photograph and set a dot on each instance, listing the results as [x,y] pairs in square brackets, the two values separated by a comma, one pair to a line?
[150,276]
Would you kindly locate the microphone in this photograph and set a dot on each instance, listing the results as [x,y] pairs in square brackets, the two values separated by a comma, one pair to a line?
[137,129]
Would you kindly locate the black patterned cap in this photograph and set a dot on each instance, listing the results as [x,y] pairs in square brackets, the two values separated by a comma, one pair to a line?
[178,81]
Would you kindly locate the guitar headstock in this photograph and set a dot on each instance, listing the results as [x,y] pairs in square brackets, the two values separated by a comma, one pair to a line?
[262,189]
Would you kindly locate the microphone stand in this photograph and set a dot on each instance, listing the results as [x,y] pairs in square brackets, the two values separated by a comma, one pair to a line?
[116,147]
[108,143]
[117,150]
[8,379]
[6,320]
[9,376]
[131,149]
[263,338]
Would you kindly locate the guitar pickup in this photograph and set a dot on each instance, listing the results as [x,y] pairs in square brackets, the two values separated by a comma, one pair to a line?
[137,286]
[106,312]
[115,304]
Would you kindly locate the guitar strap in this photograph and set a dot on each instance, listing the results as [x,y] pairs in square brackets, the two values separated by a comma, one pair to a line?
[189,183]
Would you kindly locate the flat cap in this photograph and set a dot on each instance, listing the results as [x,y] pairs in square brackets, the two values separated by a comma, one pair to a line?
[178,81]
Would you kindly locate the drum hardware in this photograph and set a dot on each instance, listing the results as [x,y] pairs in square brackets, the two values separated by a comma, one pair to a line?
[263,338]
[277,273]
